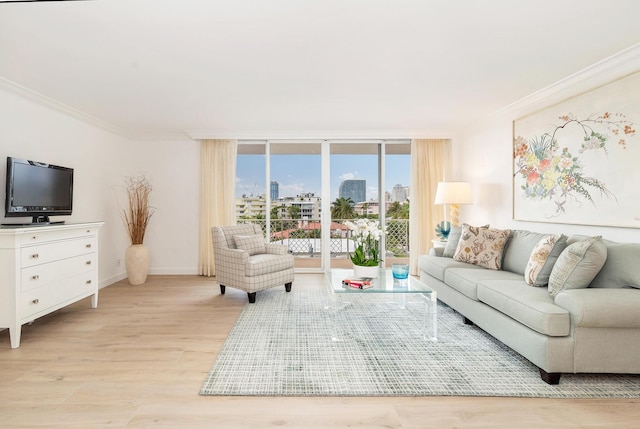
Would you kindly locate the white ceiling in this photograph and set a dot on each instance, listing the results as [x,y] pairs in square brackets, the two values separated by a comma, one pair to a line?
[153,67]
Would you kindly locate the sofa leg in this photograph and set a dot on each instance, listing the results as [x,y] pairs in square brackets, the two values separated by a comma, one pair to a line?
[467,321]
[222,289]
[287,287]
[252,297]
[550,377]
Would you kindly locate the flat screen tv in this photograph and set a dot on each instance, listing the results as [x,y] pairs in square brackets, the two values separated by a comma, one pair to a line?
[38,190]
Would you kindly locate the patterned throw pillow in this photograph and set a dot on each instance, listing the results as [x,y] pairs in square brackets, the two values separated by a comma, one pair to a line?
[453,240]
[543,258]
[482,246]
[578,265]
[253,244]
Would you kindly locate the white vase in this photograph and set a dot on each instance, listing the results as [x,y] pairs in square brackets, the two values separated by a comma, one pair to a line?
[136,260]
[360,271]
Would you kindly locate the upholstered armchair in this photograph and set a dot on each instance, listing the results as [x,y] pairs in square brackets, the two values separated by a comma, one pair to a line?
[244,261]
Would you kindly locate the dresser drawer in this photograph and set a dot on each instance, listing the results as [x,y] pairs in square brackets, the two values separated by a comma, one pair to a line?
[35,237]
[43,274]
[54,294]
[44,253]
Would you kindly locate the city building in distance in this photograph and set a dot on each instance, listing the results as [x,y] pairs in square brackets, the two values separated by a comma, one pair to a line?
[356,189]
[400,193]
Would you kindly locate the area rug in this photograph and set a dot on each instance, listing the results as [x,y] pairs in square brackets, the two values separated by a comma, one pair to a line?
[291,344]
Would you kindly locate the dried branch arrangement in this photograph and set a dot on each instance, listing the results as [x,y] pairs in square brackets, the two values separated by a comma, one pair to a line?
[137,215]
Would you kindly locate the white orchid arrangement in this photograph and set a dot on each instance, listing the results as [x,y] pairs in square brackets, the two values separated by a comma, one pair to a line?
[366,233]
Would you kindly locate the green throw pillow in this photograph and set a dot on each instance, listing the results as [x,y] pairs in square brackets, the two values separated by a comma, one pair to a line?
[452,242]
[578,265]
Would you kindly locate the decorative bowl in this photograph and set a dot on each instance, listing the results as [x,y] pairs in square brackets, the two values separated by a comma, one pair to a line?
[400,271]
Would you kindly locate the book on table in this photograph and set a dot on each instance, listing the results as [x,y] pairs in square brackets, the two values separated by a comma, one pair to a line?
[358,282]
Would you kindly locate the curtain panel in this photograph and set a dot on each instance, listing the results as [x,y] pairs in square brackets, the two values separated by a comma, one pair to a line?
[429,160]
[217,194]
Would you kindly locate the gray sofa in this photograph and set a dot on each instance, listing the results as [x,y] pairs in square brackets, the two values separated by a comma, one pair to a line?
[589,330]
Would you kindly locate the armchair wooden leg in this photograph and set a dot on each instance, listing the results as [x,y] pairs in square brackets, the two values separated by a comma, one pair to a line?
[287,287]
[222,289]
[252,297]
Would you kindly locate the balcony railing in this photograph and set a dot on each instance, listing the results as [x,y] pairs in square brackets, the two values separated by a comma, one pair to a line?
[302,237]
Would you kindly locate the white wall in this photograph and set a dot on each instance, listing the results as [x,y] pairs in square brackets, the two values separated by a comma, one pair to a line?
[173,167]
[483,155]
[101,160]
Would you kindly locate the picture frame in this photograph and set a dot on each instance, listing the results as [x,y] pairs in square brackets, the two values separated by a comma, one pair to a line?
[578,161]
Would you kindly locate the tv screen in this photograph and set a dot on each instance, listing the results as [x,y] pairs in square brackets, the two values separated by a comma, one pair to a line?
[38,190]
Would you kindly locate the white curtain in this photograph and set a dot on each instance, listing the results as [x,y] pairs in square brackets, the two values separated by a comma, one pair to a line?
[429,161]
[217,194]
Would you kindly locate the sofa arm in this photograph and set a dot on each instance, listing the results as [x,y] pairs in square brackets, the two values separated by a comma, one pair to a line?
[602,307]
[276,249]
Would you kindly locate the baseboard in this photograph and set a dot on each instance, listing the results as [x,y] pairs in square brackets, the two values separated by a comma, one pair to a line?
[111,280]
[174,271]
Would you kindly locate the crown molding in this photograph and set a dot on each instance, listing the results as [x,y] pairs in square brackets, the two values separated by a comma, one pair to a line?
[60,107]
[614,67]
[159,136]
[319,134]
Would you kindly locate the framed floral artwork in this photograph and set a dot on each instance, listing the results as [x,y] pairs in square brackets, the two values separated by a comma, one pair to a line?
[578,161]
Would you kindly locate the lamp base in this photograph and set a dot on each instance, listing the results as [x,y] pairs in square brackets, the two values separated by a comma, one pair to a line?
[454,211]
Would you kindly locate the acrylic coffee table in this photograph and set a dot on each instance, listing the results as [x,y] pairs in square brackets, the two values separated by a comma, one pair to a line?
[399,291]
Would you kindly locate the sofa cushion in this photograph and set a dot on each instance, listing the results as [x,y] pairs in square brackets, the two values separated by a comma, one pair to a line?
[533,307]
[518,250]
[482,246]
[265,263]
[620,269]
[253,243]
[578,265]
[435,266]
[465,279]
[543,257]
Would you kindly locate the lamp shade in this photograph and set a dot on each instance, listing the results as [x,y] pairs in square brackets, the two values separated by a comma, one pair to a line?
[453,193]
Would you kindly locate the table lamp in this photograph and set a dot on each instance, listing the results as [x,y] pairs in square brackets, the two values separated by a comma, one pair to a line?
[453,194]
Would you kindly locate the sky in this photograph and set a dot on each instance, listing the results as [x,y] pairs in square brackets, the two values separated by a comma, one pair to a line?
[298,174]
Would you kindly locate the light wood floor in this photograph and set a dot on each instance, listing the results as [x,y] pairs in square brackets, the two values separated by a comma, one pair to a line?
[138,360]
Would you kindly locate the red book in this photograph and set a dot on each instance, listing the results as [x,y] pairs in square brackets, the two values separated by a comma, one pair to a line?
[358,282]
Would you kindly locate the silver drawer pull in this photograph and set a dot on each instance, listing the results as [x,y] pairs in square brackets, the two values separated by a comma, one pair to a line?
[88,282]
[35,256]
[36,277]
[88,263]
[35,301]
[88,246]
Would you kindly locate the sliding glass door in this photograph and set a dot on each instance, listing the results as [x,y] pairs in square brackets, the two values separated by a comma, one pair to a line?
[397,165]
[295,200]
[354,185]
[302,192]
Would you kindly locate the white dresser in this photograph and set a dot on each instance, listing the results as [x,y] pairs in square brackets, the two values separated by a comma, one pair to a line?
[44,268]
